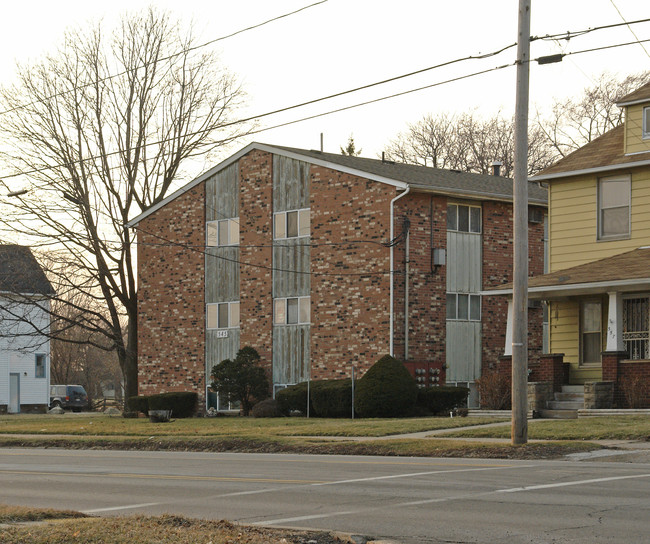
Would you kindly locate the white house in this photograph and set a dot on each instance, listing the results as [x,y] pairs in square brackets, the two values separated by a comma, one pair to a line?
[24,328]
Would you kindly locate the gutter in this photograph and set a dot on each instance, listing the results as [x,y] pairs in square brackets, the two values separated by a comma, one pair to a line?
[392,272]
[608,168]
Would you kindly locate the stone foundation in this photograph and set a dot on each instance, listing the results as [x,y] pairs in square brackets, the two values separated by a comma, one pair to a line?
[539,393]
[599,395]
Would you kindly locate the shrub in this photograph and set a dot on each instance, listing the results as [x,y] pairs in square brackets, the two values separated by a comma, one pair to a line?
[442,400]
[182,404]
[293,398]
[634,389]
[241,379]
[386,390]
[494,391]
[332,398]
[266,408]
[138,404]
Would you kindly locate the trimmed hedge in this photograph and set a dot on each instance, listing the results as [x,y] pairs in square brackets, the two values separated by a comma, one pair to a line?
[266,408]
[443,399]
[386,390]
[294,398]
[182,404]
[332,398]
[138,404]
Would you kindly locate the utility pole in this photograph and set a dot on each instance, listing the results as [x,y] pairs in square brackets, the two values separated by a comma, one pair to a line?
[519,431]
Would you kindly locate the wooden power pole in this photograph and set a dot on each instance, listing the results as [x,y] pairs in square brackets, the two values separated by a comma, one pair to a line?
[520,264]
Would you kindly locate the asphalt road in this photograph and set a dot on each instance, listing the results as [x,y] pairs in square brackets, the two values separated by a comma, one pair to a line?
[405,499]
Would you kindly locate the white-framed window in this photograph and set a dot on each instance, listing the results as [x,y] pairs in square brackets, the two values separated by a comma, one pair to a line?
[40,362]
[222,315]
[291,310]
[224,232]
[463,307]
[291,224]
[636,326]
[646,122]
[590,332]
[614,207]
[464,218]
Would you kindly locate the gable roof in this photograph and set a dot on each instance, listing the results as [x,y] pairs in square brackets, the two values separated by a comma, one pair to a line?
[642,94]
[399,175]
[20,273]
[629,271]
[603,154]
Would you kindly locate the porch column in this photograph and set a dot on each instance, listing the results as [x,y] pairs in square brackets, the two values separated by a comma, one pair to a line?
[508,347]
[615,323]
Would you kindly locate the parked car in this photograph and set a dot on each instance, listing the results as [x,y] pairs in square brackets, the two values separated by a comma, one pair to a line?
[68,397]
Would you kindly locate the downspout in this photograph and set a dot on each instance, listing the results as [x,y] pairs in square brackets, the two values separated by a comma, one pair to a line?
[392,273]
[406,296]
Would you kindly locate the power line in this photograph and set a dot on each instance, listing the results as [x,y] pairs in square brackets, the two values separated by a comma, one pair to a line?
[575,34]
[169,57]
[630,28]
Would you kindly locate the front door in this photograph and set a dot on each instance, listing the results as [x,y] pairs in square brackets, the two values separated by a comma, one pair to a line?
[14,393]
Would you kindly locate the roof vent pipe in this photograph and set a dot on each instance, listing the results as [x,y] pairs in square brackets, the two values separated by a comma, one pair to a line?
[496,168]
[383,156]
[321,142]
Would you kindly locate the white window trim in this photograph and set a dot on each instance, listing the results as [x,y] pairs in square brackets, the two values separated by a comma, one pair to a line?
[609,237]
[230,326]
[646,129]
[469,219]
[469,307]
[284,213]
[583,332]
[219,223]
[284,300]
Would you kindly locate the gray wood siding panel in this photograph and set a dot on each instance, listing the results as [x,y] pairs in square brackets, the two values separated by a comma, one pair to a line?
[290,184]
[464,256]
[218,349]
[291,354]
[463,351]
[288,256]
[222,274]
[222,194]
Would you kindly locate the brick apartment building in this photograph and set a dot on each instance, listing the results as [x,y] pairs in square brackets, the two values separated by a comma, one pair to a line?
[325,262]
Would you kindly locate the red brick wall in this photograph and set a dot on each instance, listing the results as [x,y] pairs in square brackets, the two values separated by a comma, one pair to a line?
[427,287]
[171,326]
[349,312]
[256,229]
[497,270]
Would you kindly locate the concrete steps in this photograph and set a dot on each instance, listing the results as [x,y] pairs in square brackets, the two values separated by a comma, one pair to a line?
[566,403]
[558,414]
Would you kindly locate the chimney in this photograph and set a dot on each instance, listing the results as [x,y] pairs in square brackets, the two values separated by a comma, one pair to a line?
[496,168]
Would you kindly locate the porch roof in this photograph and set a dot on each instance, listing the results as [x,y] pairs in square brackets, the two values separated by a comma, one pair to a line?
[624,272]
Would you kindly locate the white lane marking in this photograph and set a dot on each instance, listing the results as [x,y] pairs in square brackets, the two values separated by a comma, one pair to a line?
[125,507]
[566,484]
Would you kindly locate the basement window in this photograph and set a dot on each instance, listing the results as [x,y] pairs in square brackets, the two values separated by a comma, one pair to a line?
[291,311]
[291,224]
[222,315]
[224,232]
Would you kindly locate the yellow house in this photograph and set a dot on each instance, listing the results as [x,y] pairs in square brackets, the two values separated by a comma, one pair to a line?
[598,286]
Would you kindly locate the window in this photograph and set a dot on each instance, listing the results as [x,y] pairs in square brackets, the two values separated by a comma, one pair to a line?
[40,365]
[463,218]
[222,315]
[291,311]
[614,208]
[463,307]
[646,122]
[224,232]
[291,224]
[636,326]
[590,332]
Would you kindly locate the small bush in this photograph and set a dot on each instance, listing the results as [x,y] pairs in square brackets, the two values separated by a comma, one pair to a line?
[138,404]
[294,398]
[266,408]
[182,404]
[386,390]
[332,398]
[634,389]
[442,400]
[494,391]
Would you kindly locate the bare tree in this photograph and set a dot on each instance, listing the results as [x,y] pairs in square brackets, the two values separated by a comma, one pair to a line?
[575,122]
[102,129]
[468,143]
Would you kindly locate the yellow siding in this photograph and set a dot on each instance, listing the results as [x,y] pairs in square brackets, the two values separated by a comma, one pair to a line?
[634,141]
[573,220]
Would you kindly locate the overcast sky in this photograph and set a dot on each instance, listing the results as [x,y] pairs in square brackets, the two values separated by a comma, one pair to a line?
[341,44]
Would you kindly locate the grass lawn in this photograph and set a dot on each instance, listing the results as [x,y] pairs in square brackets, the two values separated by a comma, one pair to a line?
[242,427]
[587,428]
